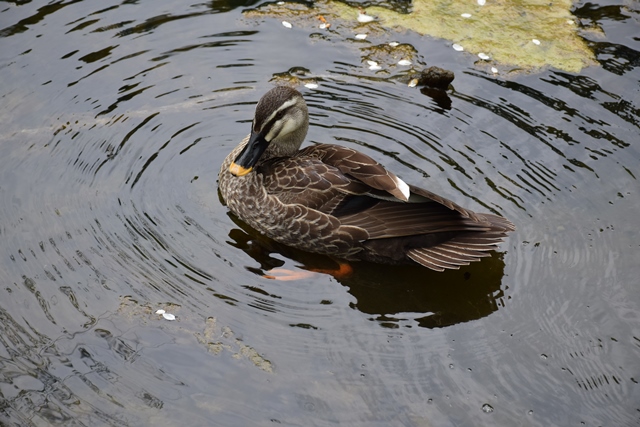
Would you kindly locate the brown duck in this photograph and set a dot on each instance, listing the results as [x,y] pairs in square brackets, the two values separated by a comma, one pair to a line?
[339,202]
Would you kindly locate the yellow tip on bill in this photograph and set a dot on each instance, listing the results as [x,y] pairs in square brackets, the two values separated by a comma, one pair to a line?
[238,170]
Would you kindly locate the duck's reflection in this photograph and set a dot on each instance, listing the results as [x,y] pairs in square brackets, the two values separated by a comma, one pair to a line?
[390,294]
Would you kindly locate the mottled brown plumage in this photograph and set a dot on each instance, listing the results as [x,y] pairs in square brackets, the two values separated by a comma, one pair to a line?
[337,201]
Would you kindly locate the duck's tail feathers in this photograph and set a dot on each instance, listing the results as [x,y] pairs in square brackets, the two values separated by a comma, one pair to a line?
[464,248]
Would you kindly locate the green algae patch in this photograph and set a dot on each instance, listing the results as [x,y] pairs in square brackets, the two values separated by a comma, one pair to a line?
[521,34]
[221,339]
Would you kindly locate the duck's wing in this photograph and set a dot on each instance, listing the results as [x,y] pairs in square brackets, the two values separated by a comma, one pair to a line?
[369,172]
[308,182]
[361,167]
[328,177]
[386,219]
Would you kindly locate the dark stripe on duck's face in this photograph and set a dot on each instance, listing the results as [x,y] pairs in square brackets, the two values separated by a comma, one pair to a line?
[266,115]
[249,155]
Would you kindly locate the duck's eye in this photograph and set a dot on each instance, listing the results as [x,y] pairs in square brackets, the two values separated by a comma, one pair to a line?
[279,116]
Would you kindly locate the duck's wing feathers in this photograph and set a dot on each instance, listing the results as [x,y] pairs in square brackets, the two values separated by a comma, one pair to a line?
[420,195]
[371,173]
[357,190]
[307,181]
[361,167]
[428,233]
[386,219]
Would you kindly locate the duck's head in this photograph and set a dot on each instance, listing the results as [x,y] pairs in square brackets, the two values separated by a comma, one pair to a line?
[278,129]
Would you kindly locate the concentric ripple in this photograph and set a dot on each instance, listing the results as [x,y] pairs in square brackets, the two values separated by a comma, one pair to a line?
[116,118]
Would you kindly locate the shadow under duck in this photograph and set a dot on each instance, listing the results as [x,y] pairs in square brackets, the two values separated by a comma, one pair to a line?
[339,202]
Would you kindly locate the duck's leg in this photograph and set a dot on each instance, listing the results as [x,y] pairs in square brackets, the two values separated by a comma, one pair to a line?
[344,270]
[286,275]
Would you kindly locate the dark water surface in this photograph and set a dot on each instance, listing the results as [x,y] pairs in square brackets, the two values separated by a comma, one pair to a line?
[115,119]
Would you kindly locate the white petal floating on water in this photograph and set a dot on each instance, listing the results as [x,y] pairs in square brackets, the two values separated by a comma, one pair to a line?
[413,83]
[160,311]
[363,17]
[483,55]
[373,65]
[494,70]
[571,22]
[361,36]
[466,15]
[311,85]
[286,24]
[168,316]
[536,42]
[280,3]
[322,26]
[481,2]
[404,62]
[394,44]
[457,47]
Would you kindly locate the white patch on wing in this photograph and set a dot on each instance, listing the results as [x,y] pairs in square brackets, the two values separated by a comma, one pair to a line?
[404,188]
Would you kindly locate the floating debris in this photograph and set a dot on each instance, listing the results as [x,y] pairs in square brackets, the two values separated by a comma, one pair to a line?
[361,36]
[571,22]
[404,62]
[482,2]
[311,85]
[536,42]
[373,65]
[487,409]
[324,24]
[494,70]
[286,24]
[434,77]
[457,47]
[166,315]
[466,15]
[363,17]
[413,82]
[483,56]
[280,3]
[394,44]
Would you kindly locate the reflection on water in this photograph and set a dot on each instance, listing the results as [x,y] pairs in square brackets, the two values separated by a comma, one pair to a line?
[394,294]
[116,118]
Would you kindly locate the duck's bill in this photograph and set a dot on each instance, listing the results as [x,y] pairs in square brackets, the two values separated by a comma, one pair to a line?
[249,155]
[238,170]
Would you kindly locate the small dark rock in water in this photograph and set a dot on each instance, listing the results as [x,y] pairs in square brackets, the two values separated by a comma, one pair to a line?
[435,77]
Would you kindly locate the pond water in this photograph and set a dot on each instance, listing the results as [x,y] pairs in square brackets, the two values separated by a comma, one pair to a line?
[115,119]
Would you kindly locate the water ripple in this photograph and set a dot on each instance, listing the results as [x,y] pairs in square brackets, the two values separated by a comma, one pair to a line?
[116,118]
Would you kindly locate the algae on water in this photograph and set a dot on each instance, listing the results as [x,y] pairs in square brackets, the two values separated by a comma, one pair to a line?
[505,30]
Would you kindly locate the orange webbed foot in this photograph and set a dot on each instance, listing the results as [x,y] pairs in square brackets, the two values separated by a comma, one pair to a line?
[284,274]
